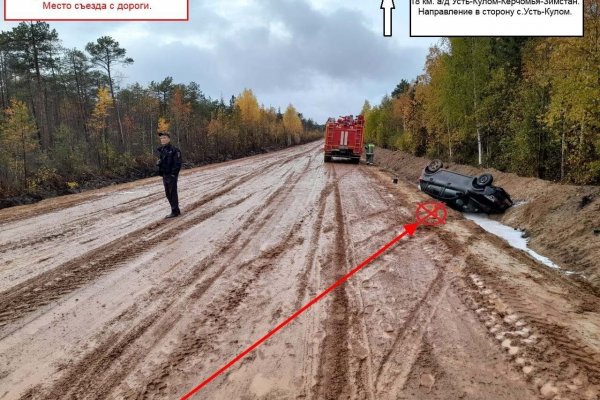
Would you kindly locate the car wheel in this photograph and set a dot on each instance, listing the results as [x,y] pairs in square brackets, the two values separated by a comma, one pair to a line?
[434,166]
[485,180]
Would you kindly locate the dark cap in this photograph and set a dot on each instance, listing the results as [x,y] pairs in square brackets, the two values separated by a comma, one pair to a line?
[164,134]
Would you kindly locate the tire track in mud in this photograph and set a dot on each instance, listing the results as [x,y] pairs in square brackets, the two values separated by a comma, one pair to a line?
[360,345]
[302,289]
[38,210]
[54,234]
[192,346]
[534,340]
[62,202]
[360,366]
[62,232]
[375,214]
[132,204]
[218,319]
[398,362]
[395,213]
[527,328]
[363,382]
[275,199]
[76,225]
[49,286]
[66,202]
[73,227]
[333,371]
[317,229]
[266,260]
[93,375]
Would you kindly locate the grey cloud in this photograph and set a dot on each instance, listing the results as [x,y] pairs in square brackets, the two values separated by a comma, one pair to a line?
[330,60]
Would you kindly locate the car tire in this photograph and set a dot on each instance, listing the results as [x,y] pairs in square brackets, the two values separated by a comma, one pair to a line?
[434,166]
[484,180]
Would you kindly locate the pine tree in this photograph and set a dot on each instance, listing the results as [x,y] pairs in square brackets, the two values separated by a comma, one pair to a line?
[107,54]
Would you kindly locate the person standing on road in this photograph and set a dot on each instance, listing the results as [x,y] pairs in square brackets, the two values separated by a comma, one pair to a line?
[370,153]
[169,164]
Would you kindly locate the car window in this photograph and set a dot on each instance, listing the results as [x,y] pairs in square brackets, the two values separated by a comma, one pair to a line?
[434,190]
[450,193]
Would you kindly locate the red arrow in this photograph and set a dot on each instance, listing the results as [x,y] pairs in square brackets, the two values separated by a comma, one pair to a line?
[411,228]
[408,230]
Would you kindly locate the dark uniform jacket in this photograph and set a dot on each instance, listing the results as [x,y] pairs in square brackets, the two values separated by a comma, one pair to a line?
[170,160]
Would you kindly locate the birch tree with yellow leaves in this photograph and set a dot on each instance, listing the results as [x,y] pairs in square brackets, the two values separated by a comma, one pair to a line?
[250,115]
[292,125]
[18,139]
[99,125]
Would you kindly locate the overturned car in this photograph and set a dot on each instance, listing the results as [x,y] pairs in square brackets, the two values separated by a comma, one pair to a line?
[463,192]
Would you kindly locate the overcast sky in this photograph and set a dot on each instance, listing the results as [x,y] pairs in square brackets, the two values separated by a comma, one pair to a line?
[323,56]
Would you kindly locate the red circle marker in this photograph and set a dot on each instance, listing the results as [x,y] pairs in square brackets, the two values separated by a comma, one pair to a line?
[431,213]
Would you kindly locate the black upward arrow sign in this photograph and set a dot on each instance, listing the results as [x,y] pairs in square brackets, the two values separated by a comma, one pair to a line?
[387,6]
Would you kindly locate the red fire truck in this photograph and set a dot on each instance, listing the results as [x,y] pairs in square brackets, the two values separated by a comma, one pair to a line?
[344,138]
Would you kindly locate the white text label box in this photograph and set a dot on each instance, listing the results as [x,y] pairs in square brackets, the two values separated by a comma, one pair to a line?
[496,17]
[86,10]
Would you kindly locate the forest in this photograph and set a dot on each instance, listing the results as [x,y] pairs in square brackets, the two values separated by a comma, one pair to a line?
[66,122]
[529,105]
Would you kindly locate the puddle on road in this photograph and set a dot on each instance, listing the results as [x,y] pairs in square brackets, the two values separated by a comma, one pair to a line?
[511,235]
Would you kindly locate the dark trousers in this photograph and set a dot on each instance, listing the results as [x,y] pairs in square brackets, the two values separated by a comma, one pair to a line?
[170,182]
[370,158]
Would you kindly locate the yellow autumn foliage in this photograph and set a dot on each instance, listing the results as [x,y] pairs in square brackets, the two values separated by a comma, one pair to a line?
[249,108]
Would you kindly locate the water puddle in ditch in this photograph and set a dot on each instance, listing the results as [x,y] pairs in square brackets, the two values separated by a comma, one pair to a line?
[514,237]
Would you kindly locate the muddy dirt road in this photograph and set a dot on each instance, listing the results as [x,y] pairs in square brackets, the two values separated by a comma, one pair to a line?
[102,299]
